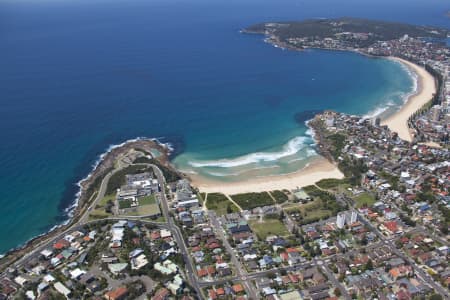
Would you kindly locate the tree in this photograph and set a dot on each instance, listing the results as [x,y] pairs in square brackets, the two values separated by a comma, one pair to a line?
[334,268]
[436,297]
[369,265]
[444,229]
[364,241]
[337,292]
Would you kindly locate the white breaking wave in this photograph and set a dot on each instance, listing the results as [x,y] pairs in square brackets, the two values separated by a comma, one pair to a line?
[218,174]
[291,148]
[404,96]
[376,112]
[310,152]
[309,131]
[415,78]
[413,75]
[192,172]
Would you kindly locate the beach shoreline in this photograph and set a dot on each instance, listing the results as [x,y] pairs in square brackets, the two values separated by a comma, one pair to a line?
[426,88]
[318,168]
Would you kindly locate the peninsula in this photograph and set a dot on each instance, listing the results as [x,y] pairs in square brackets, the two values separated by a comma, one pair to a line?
[422,49]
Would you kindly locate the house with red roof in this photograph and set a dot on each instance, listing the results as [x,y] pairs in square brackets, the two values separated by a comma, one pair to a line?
[211,270]
[238,288]
[202,272]
[212,294]
[61,244]
[117,294]
[220,292]
[392,227]
[161,294]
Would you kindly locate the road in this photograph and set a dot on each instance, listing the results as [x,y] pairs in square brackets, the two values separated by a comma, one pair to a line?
[241,272]
[101,193]
[190,270]
[333,279]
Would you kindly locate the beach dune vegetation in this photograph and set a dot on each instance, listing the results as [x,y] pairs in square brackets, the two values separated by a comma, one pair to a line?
[279,196]
[220,204]
[252,200]
[332,183]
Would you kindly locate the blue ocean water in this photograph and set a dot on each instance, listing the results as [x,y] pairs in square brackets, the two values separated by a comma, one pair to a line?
[78,76]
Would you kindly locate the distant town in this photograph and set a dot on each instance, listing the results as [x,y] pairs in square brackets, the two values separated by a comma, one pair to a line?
[142,231]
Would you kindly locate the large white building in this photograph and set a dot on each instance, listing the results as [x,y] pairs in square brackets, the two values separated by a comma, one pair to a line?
[354,217]
[340,221]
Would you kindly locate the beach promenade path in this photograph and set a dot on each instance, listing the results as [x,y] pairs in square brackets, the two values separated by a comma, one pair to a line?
[271,196]
[204,207]
[234,202]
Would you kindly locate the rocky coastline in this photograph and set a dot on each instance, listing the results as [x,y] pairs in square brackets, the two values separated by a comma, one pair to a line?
[103,166]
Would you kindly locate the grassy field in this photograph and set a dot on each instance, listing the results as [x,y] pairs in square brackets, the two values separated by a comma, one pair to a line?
[99,211]
[147,206]
[364,199]
[144,210]
[252,200]
[309,212]
[124,203]
[147,200]
[220,204]
[268,227]
[336,185]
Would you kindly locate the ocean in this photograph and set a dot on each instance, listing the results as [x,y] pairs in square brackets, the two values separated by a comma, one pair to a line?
[79,76]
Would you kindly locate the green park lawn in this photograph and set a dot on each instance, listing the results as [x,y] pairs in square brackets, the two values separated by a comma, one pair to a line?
[268,227]
[147,200]
[364,199]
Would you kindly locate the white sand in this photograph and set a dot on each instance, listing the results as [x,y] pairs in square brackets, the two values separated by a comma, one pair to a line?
[319,168]
[426,87]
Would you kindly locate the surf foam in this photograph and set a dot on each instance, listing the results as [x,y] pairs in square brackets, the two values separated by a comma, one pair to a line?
[291,148]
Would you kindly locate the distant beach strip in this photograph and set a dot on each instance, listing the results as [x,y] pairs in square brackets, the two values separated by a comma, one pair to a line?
[426,88]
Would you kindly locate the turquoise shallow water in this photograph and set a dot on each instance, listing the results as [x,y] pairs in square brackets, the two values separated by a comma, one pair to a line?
[78,76]
[268,135]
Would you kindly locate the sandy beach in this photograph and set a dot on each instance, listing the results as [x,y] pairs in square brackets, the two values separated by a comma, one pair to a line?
[319,168]
[426,87]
